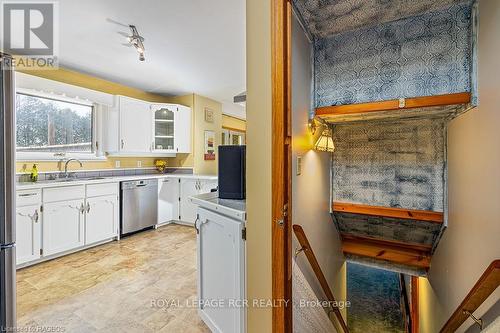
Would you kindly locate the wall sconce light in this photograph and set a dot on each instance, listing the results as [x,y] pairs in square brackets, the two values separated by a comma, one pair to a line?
[325,141]
[322,136]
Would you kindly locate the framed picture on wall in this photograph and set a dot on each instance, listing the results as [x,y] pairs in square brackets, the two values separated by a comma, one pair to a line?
[209,145]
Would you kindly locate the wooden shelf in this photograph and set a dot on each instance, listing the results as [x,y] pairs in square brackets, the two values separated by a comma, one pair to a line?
[450,104]
[398,213]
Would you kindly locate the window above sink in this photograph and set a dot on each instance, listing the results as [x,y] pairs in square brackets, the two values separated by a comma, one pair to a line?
[54,127]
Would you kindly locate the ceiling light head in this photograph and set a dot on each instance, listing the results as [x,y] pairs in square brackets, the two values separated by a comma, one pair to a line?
[136,41]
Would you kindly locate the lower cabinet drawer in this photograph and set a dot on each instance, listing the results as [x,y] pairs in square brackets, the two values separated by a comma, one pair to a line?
[63,193]
[97,190]
[28,197]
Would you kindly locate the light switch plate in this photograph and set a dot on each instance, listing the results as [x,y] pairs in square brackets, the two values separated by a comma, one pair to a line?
[117,164]
[139,164]
[299,165]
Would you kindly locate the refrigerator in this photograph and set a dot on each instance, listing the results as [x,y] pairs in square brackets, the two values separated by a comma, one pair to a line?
[7,197]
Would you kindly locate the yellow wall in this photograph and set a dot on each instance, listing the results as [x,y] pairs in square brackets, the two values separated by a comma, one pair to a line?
[470,242]
[196,102]
[233,123]
[125,162]
[94,83]
[200,126]
[259,110]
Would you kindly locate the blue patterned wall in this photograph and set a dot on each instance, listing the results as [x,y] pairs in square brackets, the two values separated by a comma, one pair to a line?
[401,163]
[418,56]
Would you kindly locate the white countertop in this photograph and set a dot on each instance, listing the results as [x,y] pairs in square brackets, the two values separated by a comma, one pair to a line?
[211,201]
[111,179]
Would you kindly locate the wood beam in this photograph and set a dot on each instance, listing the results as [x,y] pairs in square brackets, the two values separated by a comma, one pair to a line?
[392,253]
[394,104]
[399,213]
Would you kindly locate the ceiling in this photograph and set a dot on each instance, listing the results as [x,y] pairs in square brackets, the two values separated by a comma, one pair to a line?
[324,18]
[191,46]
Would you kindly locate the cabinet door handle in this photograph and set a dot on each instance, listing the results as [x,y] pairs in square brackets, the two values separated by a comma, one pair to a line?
[82,208]
[196,224]
[33,217]
[123,143]
[152,146]
[88,207]
[27,194]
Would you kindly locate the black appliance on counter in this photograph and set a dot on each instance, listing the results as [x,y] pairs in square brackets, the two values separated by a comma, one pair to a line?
[232,165]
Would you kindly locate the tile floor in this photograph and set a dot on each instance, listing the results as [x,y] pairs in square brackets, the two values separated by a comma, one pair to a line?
[114,287]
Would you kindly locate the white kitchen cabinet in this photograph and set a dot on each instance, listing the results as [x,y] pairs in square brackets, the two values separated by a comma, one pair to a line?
[171,125]
[207,185]
[63,226]
[101,218]
[168,200]
[221,270]
[28,233]
[135,126]
[190,187]
[183,130]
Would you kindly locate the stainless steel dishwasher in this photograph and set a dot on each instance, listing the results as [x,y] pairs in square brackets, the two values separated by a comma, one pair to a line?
[139,205]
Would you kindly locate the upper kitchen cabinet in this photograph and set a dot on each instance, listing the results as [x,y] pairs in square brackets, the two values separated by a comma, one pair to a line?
[171,128]
[135,126]
[142,128]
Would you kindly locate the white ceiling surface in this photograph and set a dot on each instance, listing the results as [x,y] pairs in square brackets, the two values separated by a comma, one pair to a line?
[191,45]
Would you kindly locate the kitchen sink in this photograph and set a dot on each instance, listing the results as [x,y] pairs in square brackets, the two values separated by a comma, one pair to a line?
[67,180]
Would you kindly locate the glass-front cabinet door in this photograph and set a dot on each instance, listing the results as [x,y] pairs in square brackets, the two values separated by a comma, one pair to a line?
[163,128]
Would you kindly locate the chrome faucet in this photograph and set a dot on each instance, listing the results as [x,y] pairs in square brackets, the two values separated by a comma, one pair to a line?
[66,175]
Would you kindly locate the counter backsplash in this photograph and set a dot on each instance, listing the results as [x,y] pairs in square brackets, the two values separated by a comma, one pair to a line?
[25,177]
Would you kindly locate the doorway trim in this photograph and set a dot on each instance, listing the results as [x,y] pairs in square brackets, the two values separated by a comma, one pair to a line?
[281,12]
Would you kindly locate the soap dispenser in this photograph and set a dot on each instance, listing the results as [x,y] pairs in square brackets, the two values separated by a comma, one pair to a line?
[34,173]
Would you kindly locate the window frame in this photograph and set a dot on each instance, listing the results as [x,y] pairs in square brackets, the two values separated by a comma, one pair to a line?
[95,154]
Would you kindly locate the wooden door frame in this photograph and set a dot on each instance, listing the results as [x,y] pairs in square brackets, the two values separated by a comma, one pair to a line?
[281,165]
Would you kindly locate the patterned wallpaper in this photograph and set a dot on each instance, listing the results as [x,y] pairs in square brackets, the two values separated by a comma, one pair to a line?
[423,55]
[324,18]
[393,164]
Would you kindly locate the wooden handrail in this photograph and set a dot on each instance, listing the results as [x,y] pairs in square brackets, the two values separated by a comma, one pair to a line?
[306,247]
[483,288]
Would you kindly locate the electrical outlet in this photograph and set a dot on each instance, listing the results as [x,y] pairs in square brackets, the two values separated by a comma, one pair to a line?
[117,164]
[139,164]
[299,165]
